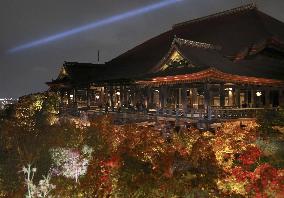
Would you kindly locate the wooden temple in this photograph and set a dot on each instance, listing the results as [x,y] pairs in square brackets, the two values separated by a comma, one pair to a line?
[226,65]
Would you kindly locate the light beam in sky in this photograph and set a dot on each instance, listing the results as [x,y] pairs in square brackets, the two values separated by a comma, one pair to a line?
[95,24]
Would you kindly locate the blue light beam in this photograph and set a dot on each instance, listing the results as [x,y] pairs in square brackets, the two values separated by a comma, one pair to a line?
[94,25]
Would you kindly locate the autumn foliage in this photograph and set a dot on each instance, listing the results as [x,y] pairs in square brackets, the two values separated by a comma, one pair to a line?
[96,158]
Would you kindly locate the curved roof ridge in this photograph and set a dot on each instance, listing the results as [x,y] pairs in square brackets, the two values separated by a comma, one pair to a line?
[246,7]
[197,44]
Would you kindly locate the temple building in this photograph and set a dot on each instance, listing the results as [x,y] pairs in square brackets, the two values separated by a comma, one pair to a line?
[226,65]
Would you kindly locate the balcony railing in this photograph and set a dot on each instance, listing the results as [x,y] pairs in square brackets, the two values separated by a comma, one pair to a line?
[236,113]
[213,113]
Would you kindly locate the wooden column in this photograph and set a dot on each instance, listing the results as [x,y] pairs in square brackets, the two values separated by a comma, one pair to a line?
[231,97]
[252,98]
[222,95]
[88,98]
[161,97]
[61,93]
[179,97]
[165,95]
[126,96]
[237,97]
[68,98]
[175,96]
[144,96]
[103,96]
[133,95]
[149,97]
[120,96]
[267,97]
[194,98]
[246,98]
[74,97]
[184,99]
[207,99]
[111,97]
[281,97]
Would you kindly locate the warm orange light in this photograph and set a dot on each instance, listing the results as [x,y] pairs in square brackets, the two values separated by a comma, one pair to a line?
[214,74]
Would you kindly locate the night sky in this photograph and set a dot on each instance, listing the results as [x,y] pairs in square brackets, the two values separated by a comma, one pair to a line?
[23,21]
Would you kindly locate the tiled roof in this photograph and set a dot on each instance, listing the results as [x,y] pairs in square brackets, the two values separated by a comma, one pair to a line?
[223,40]
[232,31]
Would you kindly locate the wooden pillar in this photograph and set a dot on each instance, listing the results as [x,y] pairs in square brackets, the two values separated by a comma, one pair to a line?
[144,96]
[161,97]
[231,97]
[179,97]
[133,95]
[245,98]
[139,95]
[61,101]
[281,97]
[74,96]
[61,93]
[120,96]
[184,99]
[111,96]
[164,98]
[237,97]
[209,108]
[175,97]
[252,98]
[167,92]
[207,99]
[267,97]
[74,101]
[194,98]
[68,98]
[149,97]
[103,96]
[88,98]
[222,95]
[126,96]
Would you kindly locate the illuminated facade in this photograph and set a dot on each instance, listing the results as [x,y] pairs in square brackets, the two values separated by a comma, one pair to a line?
[225,65]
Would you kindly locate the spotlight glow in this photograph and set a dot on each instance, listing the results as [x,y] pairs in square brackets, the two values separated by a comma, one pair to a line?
[95,24]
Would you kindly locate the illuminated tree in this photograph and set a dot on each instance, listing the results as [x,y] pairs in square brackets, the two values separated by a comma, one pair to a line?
[70,163]
[42,189]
